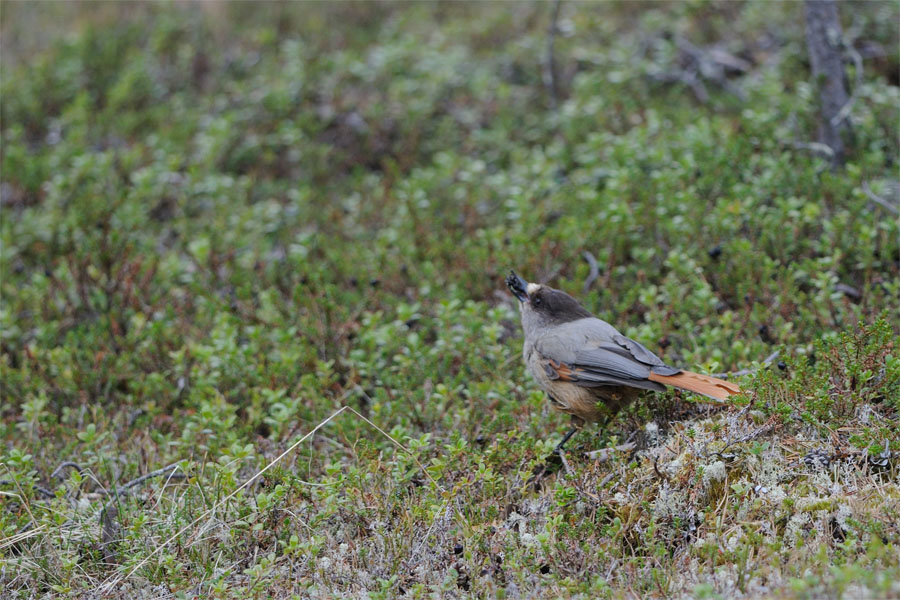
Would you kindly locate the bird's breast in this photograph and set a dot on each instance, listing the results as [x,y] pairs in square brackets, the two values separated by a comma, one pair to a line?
[587,403]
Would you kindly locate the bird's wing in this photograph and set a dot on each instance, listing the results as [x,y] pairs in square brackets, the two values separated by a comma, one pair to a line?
[591,353]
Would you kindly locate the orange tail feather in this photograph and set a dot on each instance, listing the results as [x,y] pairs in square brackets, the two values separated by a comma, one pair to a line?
[717,389]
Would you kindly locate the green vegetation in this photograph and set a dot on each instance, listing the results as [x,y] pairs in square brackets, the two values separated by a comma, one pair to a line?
[222,223]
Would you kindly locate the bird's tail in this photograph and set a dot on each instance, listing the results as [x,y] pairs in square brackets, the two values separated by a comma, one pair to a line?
[717,389]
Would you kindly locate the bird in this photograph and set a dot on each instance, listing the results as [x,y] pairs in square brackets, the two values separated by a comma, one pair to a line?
[587,368]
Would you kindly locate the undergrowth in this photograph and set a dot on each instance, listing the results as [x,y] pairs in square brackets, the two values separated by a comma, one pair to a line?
[222,223]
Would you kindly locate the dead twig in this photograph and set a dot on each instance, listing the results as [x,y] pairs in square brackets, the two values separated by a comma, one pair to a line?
[844,112]
[878,199]
[39,489]
[847,46]
[64,465]
[815,148]
[551,75]
[565,464]
[139,480]
[594,273]
[604,454]
[57,472]
[606,479]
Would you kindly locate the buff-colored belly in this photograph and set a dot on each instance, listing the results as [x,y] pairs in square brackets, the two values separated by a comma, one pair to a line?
[586,403]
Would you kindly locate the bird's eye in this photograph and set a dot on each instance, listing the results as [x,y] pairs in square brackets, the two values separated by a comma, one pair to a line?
[536,301]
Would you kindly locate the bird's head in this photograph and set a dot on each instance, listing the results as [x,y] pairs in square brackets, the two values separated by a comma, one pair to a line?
[542,305]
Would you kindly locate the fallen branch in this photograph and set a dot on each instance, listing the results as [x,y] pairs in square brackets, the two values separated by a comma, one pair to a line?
[67,464]
[139,480]
[606,479]
[604,454]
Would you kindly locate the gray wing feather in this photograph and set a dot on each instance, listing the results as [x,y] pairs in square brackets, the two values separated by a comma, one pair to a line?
[600,355]
[610,359]
[639,352]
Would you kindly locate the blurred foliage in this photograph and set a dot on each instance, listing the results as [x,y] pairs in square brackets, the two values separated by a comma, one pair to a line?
[223,221]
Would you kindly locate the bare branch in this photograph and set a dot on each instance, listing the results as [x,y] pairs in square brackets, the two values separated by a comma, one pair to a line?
[842,114]
[595,270]
[551,74]
[816,148]
[57,472]
[878,199]
[150,475]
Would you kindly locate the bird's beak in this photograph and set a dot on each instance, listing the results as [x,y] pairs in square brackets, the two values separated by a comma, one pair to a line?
[518,286]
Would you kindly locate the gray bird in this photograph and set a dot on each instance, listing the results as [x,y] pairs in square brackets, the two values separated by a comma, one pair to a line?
[587,368]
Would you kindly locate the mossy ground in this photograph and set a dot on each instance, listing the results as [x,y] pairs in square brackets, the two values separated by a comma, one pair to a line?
[222,223]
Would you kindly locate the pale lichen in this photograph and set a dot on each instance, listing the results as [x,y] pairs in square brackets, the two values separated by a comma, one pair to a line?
[713,473]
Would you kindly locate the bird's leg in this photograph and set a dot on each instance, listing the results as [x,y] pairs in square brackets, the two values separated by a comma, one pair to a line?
[556,458]
[562,442]
[577,423]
